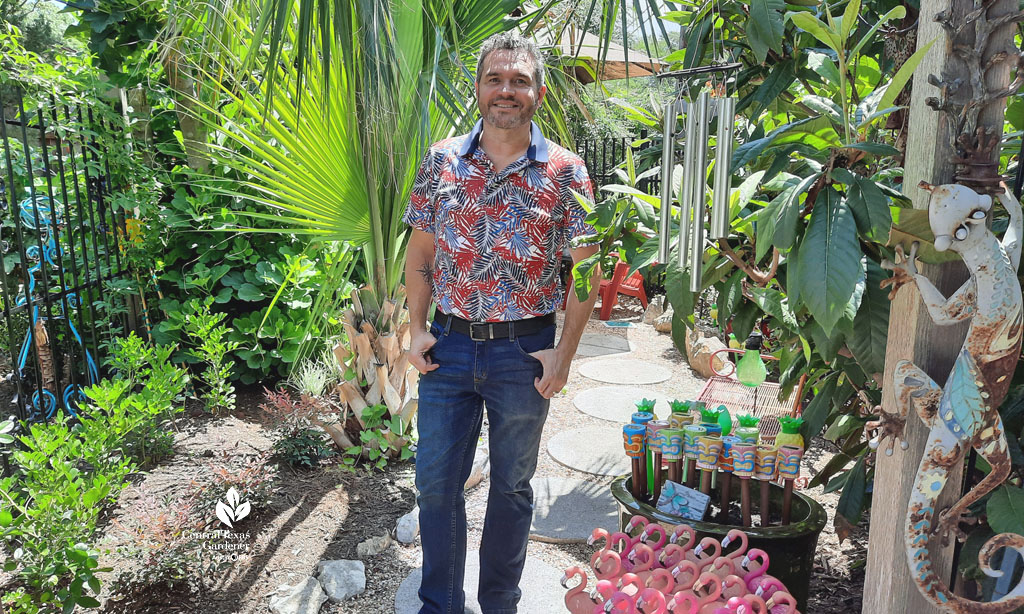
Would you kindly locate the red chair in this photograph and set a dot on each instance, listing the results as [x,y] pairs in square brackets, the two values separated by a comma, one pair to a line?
[619,284]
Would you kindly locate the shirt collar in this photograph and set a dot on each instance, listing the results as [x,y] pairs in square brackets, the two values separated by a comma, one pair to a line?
[537,151]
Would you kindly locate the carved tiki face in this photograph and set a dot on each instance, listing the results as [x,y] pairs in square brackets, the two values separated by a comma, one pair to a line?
[743,455]
[672,444]
[692,432]
[633,440]
[708,449]
[788,462]
[764,466]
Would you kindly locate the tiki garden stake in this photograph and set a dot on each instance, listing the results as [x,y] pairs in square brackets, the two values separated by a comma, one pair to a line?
[743,461]
[642,418]
[725,466]
[963,414]
[672,452]
[764,470]
[788,463]
[709,447]
[633,440]
[693,432]
[655,444]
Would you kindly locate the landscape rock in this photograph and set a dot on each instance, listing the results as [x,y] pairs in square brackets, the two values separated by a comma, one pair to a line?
[303,598]
[663,323]
[654,309]
[341,580]
[373,546]
[408,527]
[700,346]
[481,467]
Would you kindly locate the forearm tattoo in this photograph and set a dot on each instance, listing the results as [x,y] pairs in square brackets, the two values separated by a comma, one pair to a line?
[427,272]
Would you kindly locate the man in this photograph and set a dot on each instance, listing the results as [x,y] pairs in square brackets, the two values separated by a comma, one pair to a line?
[492,212]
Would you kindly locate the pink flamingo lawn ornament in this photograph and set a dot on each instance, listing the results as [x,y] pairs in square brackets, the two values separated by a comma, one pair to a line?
[722,567]
[609,566]
[733,586]
[760,573]
[662,580]
[602,592]
[739,605]
[620,603]
[643,566]
[692,575]
[730,537]
[681,530]
[708,603]
[683,603]
[631,584]
[767,586]
[697,555]
[654,529]
[782,603]
[671,555]
[576,601]
[653,598]
[634,522]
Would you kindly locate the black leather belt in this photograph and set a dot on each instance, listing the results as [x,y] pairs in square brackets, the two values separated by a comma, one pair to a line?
[484,331]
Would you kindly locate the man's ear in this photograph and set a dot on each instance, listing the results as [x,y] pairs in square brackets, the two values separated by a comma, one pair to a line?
[540,94]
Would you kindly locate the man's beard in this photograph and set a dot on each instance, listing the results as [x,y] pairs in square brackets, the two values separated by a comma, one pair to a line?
[506,121]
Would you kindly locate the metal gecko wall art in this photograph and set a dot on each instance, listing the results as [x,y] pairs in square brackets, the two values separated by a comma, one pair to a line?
[963,414]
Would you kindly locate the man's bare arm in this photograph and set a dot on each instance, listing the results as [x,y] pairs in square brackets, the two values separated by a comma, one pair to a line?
[419,284]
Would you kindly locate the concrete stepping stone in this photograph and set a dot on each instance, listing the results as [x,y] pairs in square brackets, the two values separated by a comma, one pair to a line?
[592,344]
[591,449]
[542,594]
[567,511]
[625,371]
[617,403]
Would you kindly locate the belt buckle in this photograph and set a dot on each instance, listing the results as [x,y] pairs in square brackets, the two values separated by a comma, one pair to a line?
[488,332]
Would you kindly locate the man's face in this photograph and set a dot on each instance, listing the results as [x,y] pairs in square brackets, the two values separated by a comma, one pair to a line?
[505,90]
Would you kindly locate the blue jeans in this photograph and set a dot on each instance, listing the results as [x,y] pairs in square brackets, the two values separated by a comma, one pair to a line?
[498,373]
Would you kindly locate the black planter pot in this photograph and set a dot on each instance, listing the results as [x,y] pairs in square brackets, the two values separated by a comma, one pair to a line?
[790,547]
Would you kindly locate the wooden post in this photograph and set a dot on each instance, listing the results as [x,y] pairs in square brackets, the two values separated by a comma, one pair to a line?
[889,587]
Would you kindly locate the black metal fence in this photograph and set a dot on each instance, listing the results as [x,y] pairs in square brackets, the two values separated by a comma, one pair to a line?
[61,241]
[602,156]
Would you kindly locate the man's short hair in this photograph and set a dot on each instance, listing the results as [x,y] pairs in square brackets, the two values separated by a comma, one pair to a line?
[511,41]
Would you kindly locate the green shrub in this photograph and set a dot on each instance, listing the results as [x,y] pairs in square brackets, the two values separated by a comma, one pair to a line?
[212,347]
[303,447]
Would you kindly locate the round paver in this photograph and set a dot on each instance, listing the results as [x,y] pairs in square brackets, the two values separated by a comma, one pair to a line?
[542,593]
[625,371]
[616,403]
[567,511]
[592,344]
[592,449]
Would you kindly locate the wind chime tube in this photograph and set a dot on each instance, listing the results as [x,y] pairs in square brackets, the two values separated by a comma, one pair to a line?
[686,191]
[723,157]
[667,161]
[699,188]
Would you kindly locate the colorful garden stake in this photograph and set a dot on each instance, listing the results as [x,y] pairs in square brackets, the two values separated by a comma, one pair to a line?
[646,405]
[708,449]
[633,440]
[743,463]
[788,463]
[725,475]
[764,470]
[672,452]
[692,433]
[655,442]
[747,430]
[790,435]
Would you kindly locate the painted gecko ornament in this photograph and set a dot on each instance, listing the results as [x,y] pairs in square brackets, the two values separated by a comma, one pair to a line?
[964,413]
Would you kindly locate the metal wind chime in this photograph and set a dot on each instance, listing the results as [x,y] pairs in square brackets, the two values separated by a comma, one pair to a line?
[693,172]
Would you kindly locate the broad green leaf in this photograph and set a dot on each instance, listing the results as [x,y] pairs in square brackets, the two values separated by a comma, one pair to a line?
[825,106]
[766,229]
[750,150]
[871,326]
[869,205]
[1006,510]
[825,345]
[744,318]
[818,409]
[902,76]
[876,149]
[730,298]
[774,303]
[824,65]
[830,259]
[741,196]
[849,20]
[765,27]
[851,502]
[787,213]
[778,80]
[813,25]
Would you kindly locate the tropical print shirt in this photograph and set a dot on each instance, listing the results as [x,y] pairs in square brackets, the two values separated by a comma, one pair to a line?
[498,237]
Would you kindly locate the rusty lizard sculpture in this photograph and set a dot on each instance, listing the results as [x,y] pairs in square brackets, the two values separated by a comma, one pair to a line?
[964,413]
